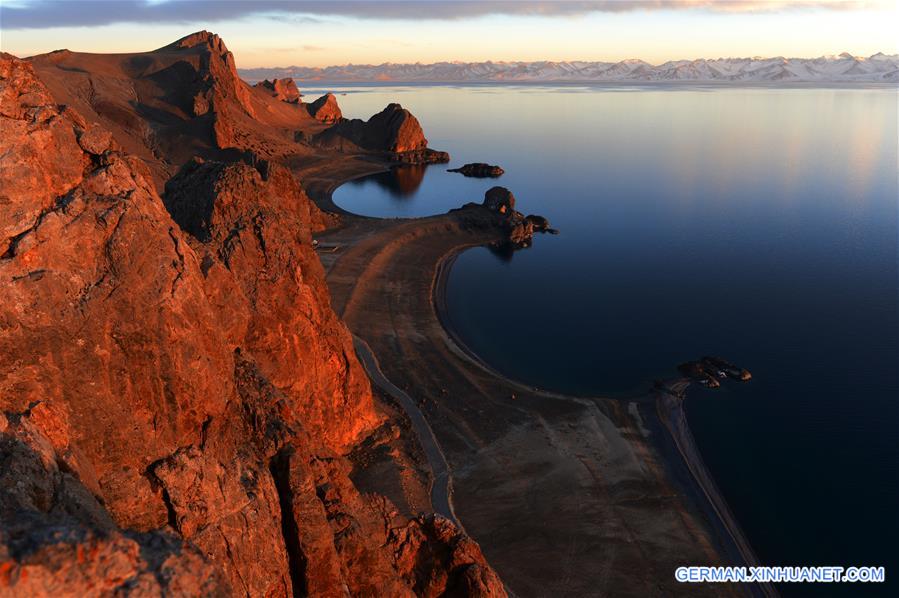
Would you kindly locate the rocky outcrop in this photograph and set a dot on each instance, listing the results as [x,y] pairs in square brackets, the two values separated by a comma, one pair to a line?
[284,89]
[394,131]
[250,228]
[219,81]
[499,199]
[497,211]
[520,228]
[709,370]
[539,223]
[177,394]
[32,175]
[478,170]
[217,90]
[727,368]
[325,109]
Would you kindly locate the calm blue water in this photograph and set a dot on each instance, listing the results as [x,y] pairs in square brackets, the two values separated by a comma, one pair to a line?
[756,224]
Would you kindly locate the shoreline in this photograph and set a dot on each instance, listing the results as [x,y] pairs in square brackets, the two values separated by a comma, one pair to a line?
[353,294]
[671,415]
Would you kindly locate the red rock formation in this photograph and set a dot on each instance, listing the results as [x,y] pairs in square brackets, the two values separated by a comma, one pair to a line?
[394,130]
[284,90]
[219,82]
[325,109]
[176,390]
[251,226]
[173,103]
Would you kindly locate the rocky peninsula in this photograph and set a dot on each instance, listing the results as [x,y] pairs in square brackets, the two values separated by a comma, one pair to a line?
[185,411]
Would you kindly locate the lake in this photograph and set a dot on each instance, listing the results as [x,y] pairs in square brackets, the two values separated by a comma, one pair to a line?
[758,224]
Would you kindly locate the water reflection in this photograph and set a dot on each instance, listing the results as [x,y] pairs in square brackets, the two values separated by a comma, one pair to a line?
[401,182]
[504,251]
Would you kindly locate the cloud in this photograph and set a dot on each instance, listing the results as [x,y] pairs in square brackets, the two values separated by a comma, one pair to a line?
[39,14]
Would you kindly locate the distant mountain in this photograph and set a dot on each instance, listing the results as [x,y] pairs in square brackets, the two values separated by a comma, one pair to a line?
[845,67]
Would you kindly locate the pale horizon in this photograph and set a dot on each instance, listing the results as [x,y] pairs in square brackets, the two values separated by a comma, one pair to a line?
[569,60]
[282,34]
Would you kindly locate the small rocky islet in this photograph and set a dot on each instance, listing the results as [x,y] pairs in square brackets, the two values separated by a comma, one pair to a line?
[709,370]
[498,210]
[480,170]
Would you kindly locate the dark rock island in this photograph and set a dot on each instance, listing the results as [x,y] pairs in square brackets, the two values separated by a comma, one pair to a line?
[478,170]
[708,370]
[498,210]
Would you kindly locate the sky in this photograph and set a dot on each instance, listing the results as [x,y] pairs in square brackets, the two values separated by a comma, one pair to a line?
[283,33]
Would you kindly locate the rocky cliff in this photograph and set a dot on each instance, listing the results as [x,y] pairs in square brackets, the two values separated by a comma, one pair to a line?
[178,396]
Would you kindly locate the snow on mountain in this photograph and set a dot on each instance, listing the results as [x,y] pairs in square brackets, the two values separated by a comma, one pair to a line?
[841,68]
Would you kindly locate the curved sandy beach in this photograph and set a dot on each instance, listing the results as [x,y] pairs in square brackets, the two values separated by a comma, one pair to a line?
[609,487]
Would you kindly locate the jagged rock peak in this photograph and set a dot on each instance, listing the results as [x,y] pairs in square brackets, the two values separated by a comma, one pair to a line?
[325,109]
[220,81]
[402,128]
[201,38]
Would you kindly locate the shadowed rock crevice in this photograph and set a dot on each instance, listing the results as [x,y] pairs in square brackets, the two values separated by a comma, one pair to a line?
[279,467]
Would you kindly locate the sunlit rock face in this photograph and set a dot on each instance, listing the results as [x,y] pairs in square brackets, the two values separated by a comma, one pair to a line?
[176,393]
[325,109]
[184,99]
[394,130]
[282,89]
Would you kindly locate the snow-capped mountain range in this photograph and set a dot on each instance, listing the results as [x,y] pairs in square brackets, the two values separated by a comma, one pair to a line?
[842,68]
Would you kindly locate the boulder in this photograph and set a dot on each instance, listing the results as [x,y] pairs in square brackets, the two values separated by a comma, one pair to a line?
[499,199]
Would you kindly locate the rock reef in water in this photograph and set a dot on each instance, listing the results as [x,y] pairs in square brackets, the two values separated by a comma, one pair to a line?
[284,89]
[709,370]
[177,395]
[394,131]
[325,109]
[478,170]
